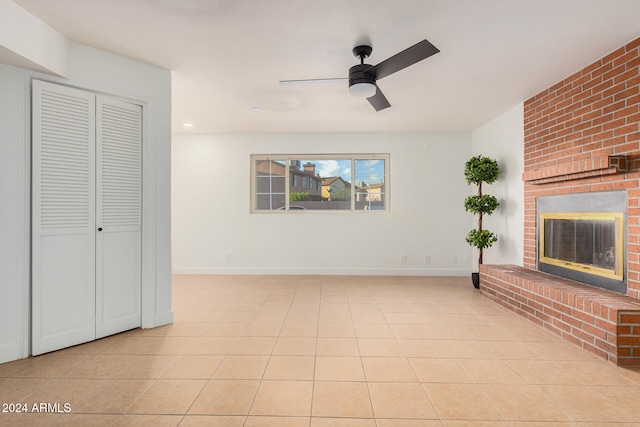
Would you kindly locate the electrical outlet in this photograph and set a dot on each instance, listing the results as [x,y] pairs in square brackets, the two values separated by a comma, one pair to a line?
[403,258]
[467,259]
[427,259]
[454,259]
[228,256]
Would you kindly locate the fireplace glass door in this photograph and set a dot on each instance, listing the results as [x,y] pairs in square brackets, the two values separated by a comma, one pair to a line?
[588,242]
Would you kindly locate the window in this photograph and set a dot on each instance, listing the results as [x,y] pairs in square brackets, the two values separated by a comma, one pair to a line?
[327,183]
[270,184]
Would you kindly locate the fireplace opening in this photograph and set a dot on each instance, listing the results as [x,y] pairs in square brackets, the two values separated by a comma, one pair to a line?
[582,237]
[587,242]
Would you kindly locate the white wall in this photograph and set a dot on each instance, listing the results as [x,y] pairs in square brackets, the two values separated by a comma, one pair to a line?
[503,139]
[97,71]
[14,212]
[210,208]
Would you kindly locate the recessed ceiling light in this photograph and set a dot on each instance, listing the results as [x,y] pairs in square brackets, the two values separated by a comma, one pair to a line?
[257,109]
[188,125]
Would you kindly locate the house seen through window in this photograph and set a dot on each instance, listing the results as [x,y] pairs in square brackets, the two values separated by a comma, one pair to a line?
[319,183]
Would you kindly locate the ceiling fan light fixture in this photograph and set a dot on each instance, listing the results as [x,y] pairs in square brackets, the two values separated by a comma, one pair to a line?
[362,81]
[363,90]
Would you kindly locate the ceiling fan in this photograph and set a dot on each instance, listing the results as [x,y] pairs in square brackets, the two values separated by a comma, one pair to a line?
[363,77]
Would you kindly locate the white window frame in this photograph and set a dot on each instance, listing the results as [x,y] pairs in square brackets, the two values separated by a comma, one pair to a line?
[287,181]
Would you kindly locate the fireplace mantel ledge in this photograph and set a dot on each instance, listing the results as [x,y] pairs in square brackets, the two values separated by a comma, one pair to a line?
[595,166]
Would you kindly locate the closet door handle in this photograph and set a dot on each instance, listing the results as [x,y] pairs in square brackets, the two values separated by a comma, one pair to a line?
[99,228]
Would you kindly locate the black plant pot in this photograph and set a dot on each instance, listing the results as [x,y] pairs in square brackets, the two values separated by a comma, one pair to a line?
[475,279]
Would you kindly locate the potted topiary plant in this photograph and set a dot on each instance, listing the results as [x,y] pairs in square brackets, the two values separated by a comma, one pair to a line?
[479,170]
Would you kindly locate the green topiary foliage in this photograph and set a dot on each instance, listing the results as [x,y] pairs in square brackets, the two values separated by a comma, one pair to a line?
[480,169]
[481,239]
[485,204]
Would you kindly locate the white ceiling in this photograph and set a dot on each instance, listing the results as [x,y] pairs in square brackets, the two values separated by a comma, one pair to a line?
[228,56]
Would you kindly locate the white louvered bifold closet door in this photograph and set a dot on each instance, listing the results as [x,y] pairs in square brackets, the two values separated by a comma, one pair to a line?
[63,217]
[86,216]
[119,205]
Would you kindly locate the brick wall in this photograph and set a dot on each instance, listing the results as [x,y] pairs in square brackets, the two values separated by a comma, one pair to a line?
[576,134]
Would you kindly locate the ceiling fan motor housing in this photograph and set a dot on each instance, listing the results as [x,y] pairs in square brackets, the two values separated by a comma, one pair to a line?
[362,73]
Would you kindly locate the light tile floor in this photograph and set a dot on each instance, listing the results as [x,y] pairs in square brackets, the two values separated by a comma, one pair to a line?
[318,351]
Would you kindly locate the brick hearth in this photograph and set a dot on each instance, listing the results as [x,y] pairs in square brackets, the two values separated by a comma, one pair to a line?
[600,321]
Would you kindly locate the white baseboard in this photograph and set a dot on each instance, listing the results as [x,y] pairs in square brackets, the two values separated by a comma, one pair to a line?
[9,352]
[164,318]
[326,271]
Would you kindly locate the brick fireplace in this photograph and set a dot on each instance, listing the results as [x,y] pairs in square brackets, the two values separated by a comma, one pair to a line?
[582,135]
[577,133]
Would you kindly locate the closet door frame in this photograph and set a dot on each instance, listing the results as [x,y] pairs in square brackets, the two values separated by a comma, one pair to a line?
[156,254]
[146,259]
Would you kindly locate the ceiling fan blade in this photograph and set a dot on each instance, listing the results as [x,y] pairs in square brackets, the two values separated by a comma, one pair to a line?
[407,57]
[379,101]
[304,81]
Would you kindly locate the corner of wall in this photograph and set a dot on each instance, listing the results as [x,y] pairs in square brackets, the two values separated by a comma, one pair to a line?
[14,226]
[26,41]
[503,139]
